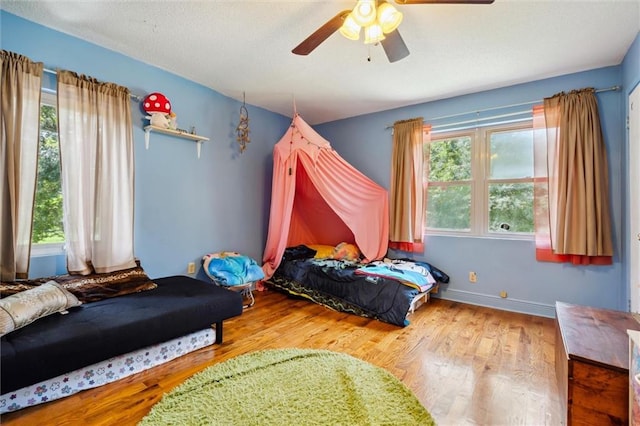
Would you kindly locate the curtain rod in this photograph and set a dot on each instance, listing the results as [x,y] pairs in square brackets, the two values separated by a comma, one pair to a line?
[607,89]
[476,120]
[448,129]
[131,95]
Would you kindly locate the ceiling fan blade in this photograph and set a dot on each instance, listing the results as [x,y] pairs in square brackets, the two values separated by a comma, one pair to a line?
[321,34]
[444,1]
[394,46]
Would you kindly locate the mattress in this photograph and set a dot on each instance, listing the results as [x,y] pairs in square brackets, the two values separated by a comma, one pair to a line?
[104,372]
[344,286]
[96,331]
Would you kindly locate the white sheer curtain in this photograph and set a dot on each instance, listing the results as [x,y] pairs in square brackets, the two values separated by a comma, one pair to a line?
[20,90]
[96,153]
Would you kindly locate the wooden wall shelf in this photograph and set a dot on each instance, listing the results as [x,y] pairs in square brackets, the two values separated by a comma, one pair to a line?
[184,135]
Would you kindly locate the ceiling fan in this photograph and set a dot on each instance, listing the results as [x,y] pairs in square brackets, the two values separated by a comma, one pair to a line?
[380,21]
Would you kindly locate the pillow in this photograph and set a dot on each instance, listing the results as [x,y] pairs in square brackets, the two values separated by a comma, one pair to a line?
[92,287]
[25,307]
[322,251]
[346,251]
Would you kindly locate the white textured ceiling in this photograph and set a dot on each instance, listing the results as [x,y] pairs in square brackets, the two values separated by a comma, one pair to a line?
[245,46]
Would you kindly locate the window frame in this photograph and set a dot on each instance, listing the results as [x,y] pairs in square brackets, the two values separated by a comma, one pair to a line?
[480,181]
[48,97]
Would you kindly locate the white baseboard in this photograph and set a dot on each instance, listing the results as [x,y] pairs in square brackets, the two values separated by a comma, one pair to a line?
[496,302]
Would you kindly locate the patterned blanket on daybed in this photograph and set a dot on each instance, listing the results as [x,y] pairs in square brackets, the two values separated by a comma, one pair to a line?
[382,290]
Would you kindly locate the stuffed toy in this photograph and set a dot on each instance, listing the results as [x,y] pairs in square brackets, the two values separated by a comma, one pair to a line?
[159,109]
[173,121]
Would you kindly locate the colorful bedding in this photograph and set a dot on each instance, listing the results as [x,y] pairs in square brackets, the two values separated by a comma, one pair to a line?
[372,291]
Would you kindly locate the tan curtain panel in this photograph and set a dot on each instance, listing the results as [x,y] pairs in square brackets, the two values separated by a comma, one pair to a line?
[407,196]
[96,153]
[20,90]
[576,207]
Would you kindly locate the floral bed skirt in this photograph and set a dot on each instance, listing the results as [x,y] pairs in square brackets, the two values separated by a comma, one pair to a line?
[105,372]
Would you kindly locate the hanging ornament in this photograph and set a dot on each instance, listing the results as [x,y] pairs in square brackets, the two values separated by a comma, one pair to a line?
[243,127]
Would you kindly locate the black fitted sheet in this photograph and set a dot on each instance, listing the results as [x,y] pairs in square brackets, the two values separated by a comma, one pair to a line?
[336,285]
[96,331]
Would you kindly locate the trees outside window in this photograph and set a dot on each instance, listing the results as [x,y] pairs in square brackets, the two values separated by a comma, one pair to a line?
[47,231]
[449,184]
[480,182]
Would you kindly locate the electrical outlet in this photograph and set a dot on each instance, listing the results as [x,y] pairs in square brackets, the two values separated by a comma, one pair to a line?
[473,277]
[191,268]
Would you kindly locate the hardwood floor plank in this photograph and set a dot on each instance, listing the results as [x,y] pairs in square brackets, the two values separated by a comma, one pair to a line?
[468,365]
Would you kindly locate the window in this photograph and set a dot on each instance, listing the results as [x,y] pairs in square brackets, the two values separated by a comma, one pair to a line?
[480,182]
[47,235]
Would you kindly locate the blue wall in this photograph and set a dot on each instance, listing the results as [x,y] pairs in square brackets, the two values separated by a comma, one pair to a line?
[184,207]
[187,207]
[631,66]
[504,265]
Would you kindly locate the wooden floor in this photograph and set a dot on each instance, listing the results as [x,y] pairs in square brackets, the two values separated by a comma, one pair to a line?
[468,365]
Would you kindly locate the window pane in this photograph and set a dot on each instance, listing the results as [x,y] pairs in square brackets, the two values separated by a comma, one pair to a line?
[450,159]
[511,207]
[511,154]
[47,215]
[449,207]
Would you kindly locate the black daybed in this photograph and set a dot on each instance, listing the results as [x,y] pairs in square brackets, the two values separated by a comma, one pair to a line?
[96,331]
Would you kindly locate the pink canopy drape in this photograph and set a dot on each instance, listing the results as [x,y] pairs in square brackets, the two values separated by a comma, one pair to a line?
[319,198]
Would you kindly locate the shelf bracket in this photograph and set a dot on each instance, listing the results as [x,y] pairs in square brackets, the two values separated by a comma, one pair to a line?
[146,138]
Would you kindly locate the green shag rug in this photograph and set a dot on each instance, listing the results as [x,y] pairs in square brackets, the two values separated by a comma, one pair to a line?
[290,387]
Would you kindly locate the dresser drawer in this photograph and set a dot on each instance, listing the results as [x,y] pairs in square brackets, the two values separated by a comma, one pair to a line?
[598,395]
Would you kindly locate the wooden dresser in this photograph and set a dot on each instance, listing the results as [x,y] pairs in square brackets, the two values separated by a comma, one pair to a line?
[592,364]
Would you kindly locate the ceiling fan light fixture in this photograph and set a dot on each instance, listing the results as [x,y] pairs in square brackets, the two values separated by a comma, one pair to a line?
[373,34]
[365,12]
[389,17]
[350,28]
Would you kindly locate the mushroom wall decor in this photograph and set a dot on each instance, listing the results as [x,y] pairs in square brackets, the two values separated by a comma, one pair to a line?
[158,107]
